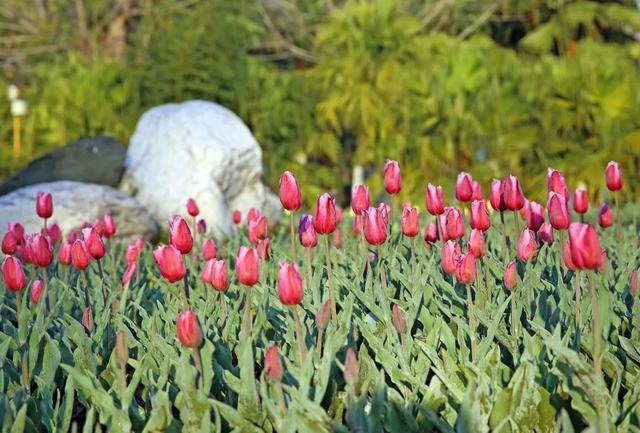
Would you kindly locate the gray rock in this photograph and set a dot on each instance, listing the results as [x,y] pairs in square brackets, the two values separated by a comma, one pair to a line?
[94,160]
[73,204]
[202,150]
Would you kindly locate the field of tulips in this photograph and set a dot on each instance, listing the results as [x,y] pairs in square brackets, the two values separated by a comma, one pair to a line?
[476,315]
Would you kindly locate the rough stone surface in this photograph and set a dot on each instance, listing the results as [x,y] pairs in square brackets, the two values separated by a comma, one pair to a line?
[94,160]
[202,150]
[73,204]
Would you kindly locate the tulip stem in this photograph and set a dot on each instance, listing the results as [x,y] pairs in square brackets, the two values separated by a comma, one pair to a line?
[309,268]
[294,253]
[472,323]
[246,321]
[85,286]
[101,273]
[281,400]
[618,226]
[319,341]
[223,308]
[24,364]
[45,279]
[507,239]
[560,247]
[578,309]
[332,295]
[198,362]
[514,325]
[363,247]
[413,256]
[582,218]
[595,312]
[383,275]
[184,294]
[517,223]
[302,348]
[485,265]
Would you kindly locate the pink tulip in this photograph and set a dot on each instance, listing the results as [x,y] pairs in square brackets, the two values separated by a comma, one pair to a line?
[613,176]
[526,245]
[290,196]
[464,187]
[392,182]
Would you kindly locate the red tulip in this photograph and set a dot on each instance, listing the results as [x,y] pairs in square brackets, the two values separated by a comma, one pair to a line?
[613,176]
[513,196]
[480,215]
[192,207]
[534,215]
[18,230]
[477,191]
[188,329]
[323,315]
[464,187]
[64,255]
[585,246]
[215,273]
[633,283]
[526,245]
[449,256]
[180,234]
[511,275]
[434,199]
[466,268]
[558,211]
[289,284]
[169,261]
[360,199]
[97,225]
[605,216]
[9,243]
[247,266]
[290,196]
[237,217]
[410,221]
[357,225]
[13,274]
[454,223]
[209,249]
[72,236]
[263,249]
[399,321]
[253,214]
[129,272]
[556,183]
[40,250]
[566,256]
[44,205]
[431,233]
[476,245]
[392,183]
[201,226]
[496,195]
[94,243]
[306,232]
[87,318]
[36,291]
[580,201]
[375,229]
[442,223]
[131,256]
[109,226]
[54,232]
[545,234]
[258,229]
[351,371]
[324,216]
[273,364]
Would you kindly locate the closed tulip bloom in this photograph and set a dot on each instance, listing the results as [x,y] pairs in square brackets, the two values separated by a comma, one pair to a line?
[392,182]
[169,261]
[72,236]
[613,176]
[511,275]
[44,204]
[464,187]
[496,195]
[476,245]
[98,226]
[477,191]
[545,234]
[512,193]
[139,243]
[9,243]
[556,183]
[525,209]
[180,234]
[566,256]
[13,274]
[80,255]
[431,233]
[449,256]
[18,230]
[132,253]
[375,229]
[64,254]
[209,249]
[410,221]
[273,364]
[585,246]
[580,201]
[290,196]
[534,216]
[306,232]
[263,249]
[201,226]
[192,207]
[360,199]
[87,318]
[129,272]
[605,216]
[351,370]
[633,283]
[434,199]
[384,210]
[466,268]
[109,226]
[236,217]
[399,322]
[323,315]
[215,273]
[253,214]
[54,233]
[258,229]
[454,223]
[188,329]
[247,266]
[526,245]
[558,211]
[289,284]
[36,291]
[324,216]
[40,250]
[94,243]
[480,215]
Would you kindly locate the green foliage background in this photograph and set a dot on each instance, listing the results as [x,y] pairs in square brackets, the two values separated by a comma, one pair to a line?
[486,87]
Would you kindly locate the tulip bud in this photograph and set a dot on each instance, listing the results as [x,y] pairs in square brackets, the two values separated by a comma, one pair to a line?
[513,196]
[449,256]
[258,229]
[188,329]
[323,315]
[392,183]
[306,232]
[464,187]
[434,199]
[360,199]
[131,256]
[556,183]
[180,234]
[585,246]
[454,223]
[633,283]
[18,230]
[289,284]
[375,229]
[252,215]
[64,254]
[215,273]
[169,261]
[13,274]
[410,221]
[209,250]
[36,291]
[545,234]
[466,268]
[263,249]
[526,245]
[80,255]
[109,226]
[9,243]
[480,215]
[580,201]
[605,216]
[87,318]
[290,196]
[324,216]
[44,205]
[237,217]
[431,234]
[399,321]
[201,226]
[510,275]
[351,372]
[122,350]
[247,266]
[40,250]
[566,256]
[72,236]
[54,232]
[496,195]
[558,211]
[477,191]
[613,176]
[98,226]
[273,364]
[534,216]
[476,245]
[129,272]
[192,207]
[94,243]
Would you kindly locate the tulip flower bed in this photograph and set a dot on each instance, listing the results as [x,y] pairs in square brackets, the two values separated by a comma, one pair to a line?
[387,321]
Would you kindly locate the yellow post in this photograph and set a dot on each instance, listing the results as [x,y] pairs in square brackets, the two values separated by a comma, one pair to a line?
[17,144]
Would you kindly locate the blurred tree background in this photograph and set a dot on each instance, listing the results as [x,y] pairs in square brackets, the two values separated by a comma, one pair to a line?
[489,87]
